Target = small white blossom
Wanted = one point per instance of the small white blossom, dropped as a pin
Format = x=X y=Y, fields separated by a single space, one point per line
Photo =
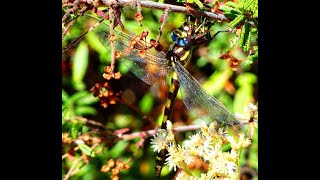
x=182 y=176
x=175 y=157
x=214 y=152
x=188 y=157
x=159 y=140
x=250 y=110
x=205 y=144
x=231 y=167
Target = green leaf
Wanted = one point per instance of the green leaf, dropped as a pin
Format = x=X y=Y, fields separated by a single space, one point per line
x=103 y=50
x=232 y=4
x=66 y=113
x=94 y=42
x=87 y=100
x=75 y=127
x=122 y=120
x=79 y=65
x=246 y=78
x=242 y=98
x=118 y=149
x=78 y=95
x=146 y=103
x=84 y=110
x=201 y=62
x=87 y=150
x=199 y=3
x=226 y=147
x=246 y=46
x=229 y=11
x=177 y=20
x=245 y=37
x=244 y=94
x=65 y=96
x=238 y=20
x=252 y=58
x=85 y=129
x=217 y=81
x=250 y=5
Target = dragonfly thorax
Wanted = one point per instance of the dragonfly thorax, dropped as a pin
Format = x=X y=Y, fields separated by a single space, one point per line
x=179 y=53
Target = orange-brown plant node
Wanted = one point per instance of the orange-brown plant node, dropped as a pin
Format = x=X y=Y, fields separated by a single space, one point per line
x=138 y=17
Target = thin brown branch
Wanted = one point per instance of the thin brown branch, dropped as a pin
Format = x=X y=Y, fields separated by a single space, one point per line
x=113 y=59
x=93 y=5
x=139 y=11
x=69 y=11
x=81 y=36
x=145 y=134
x=64 y=156
x=135 y=153
x=142 y=134
x=72 y=169
x=66 y=29
x=87 y=121
x=163 y=20
x=171 y=8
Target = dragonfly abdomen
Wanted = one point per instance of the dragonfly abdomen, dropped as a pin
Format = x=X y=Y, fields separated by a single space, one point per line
x=174 y=87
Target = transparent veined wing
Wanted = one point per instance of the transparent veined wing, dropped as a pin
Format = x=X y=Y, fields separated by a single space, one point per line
x=205 y=106
x=152 y=67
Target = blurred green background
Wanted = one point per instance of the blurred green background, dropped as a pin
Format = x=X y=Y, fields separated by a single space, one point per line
x=82 y=67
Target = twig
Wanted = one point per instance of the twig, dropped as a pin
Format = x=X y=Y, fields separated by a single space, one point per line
x=171 y=8
x=113 y=60
x=87 y=121
x=71 y=170
x=81 y=36
x=136 y=153
x=73 y=9
x=64 y=156
x=145 y=134
x=68 y=27
x=163 y=20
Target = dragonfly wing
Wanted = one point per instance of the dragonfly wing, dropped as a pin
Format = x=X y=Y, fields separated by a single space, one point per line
x=146 y=69
x=199 y=102
x=151 y=67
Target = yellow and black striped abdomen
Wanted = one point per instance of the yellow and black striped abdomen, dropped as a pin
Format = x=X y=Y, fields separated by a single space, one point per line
x=173 y=90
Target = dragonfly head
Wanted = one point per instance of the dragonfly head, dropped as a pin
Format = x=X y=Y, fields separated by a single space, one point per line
x=192 y=32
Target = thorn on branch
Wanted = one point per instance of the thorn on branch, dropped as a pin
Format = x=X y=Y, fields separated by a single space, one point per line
x=163 y=20
x=138 y=16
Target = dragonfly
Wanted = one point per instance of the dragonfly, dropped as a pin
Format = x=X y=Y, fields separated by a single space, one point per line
x=156 y=67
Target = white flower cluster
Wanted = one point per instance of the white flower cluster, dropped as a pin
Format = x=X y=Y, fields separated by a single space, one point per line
x=206 y=145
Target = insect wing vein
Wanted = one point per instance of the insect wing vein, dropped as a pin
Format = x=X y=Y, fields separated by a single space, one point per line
x=199 y=102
